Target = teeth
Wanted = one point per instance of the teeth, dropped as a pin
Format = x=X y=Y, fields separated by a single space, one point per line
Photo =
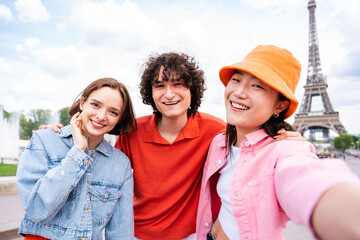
x=242 y=107
x=172 y=103
x=98 y=125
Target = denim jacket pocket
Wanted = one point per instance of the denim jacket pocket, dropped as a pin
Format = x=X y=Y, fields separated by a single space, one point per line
x=104 y=197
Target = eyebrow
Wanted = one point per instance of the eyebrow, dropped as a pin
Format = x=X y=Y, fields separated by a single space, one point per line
x=97 y=101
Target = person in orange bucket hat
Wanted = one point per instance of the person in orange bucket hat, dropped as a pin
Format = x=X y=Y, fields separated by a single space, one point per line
x=252 y=185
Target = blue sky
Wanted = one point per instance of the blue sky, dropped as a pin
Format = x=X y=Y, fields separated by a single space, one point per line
x=50 y=50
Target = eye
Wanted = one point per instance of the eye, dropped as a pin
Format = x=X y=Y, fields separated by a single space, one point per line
x=95 y=104
x=114 y=113
x=158 y=85
x=235 y=79
x=258 y=86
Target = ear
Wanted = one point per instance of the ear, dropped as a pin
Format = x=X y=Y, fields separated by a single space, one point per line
x=283 y=105
x=81 y=103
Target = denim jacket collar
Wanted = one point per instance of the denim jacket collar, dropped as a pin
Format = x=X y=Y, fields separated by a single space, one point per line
x=104 y=147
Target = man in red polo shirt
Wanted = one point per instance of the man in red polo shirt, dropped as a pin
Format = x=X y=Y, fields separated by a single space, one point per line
x=169 y=148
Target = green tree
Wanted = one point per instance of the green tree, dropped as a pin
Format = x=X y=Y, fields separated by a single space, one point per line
x=64 y=116
x=343 y=142
x=6 y=114
x=32 y=121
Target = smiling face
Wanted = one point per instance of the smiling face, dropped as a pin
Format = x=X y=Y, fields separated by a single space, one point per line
x=101 y=111
x=172 y=99
x=250 y=103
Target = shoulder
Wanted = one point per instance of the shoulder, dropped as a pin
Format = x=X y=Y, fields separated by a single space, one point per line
x=119 y=156
x=286 y=146
x=208 y=120
x=144 y=119
x=42 y=135
x=211 y=119
x=219 y=140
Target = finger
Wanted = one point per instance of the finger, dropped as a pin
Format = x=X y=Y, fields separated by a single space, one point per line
x=281 y=131
x=43 y=127
x=54 y=128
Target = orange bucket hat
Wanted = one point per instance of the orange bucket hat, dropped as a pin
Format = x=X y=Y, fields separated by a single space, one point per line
x=275 y=66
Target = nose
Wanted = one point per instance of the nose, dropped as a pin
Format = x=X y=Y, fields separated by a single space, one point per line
x=241 y=91
x=169 y=92
x=101 y=114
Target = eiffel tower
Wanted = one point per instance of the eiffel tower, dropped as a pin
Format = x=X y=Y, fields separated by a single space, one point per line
x=326 y=119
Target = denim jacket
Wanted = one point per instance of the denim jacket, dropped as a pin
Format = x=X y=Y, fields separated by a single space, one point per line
x=70 y=194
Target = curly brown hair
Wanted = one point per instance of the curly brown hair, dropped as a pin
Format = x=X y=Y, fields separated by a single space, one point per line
x=127 y=121
x=175 y=64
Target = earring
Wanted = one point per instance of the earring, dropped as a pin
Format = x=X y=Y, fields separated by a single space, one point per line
x=275 y=115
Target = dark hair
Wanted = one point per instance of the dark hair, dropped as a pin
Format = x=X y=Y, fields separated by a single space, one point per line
x=175 y=64
x=271 y=126
x=127 y=122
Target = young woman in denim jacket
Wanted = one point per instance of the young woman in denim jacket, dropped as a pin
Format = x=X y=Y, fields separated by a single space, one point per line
x=252 y=185
x=74 y=184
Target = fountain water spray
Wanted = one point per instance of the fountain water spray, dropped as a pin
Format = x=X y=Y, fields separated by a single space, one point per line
x=9 y=137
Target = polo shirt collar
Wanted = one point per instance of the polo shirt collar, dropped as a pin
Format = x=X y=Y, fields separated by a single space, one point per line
x=190 y=131
x=253 y=137
x=256 y=136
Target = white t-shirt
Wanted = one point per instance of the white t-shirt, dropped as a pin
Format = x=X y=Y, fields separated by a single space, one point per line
x=226 y=215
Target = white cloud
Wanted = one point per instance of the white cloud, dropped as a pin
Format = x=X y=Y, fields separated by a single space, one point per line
x=61 y=27
x=5 y=13
x=29 y=45
x=59 y=61
x=262 y=4
x=31 y=42
x=19 y=48
x=31 y=11
x=4 y=66
x=108 y=22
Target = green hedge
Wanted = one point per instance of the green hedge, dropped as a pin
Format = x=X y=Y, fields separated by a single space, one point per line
x=7 y=169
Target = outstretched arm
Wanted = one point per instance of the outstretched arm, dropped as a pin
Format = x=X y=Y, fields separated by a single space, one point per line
x=337 y=214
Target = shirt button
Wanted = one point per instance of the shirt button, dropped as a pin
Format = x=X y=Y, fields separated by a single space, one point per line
x=94 y=155
x=244 y=161
x=247 y=144
x=249 y=183
x=206 y=224
x=236 y=195
x=87 y=163
x=219 y=162
x=106 y=195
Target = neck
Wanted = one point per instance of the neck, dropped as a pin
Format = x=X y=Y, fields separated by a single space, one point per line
x=170 y=128
x=93 y=142
x=92 y=145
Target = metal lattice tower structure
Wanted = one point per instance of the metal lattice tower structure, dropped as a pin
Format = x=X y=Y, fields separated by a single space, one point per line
x=316 y=86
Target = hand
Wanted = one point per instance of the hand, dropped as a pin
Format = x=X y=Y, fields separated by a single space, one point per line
x=54 y=127
x=288 y=135
x=80 y=141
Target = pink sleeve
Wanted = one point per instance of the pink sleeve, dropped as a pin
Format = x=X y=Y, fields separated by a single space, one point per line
x=301 y=179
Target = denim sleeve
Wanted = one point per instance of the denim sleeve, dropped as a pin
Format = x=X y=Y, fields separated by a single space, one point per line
x=121 y=224
x=43 y=190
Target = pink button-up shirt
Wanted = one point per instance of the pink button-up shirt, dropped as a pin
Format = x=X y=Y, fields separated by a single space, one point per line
x=272 y=183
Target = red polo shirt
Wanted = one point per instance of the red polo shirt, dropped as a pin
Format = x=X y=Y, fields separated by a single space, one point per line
x=167 y=177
